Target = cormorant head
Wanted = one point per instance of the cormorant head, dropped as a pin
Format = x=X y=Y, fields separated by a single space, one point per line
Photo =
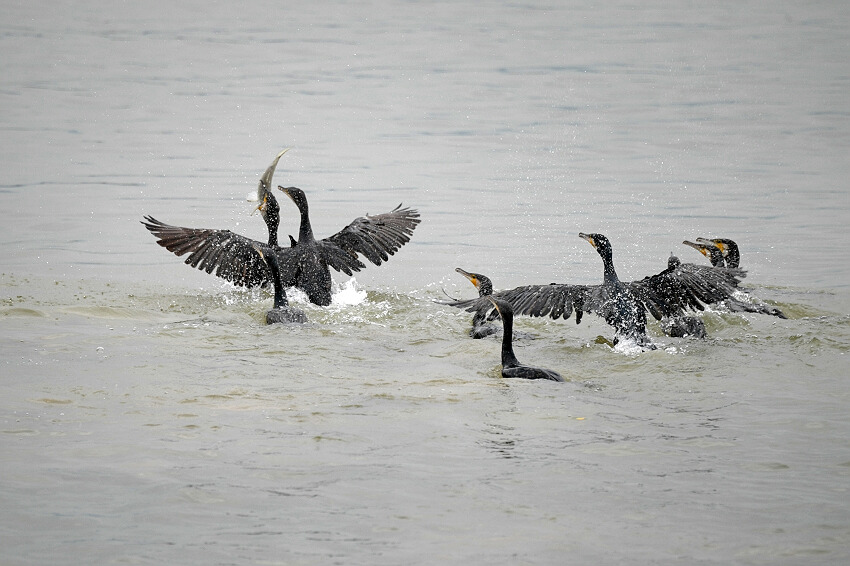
x=725 y=245
x=600 y=242
x=708 y=249
x=297 y=196
x=481 y=282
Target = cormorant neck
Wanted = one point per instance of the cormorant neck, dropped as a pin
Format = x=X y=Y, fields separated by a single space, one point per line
x=716 y=257
x=733 y=258
x=508 y=357
x=608 y=263
x=272 y=224
x=279 y=294
x=305 y=231
x=485 y=288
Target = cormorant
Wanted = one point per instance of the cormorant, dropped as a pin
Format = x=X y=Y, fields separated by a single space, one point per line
x=683 y=325
x=722 y=250
x=727 y=247
x=232 y=256
x=511 y=367
x=678 y=288
x=480 y=328
x=281 y=312
x=710 y=251
x=376 y=237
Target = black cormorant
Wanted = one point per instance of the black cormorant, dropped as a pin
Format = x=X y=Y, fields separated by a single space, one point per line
x=511 y=367
x=724 y=250
x=682 y=326
x=480 y=327
x=727 y=247
x=710 y=251
x=232 y=256
x=671 y=292
x=376 y=237
x=281 y=312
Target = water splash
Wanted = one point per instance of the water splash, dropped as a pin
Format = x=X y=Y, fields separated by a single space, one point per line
x=628 y=346
x=347 y=294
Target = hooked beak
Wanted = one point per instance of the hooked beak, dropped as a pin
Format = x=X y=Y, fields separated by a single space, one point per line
x=285 y=190
x=719 y=245
x=472 y=278
x=589 y=238
x=698 y=247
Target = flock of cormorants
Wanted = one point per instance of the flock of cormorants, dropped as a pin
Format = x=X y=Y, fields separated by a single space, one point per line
x=306 y=264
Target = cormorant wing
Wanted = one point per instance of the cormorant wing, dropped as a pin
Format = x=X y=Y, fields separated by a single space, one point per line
x=376 y=237
x=686 y=286
x=669 y=293
x=555 y=300
x=229 y=255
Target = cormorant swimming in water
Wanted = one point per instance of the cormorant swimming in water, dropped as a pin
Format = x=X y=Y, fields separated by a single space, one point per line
x=480 y=328
x=678 y=288
x=727 y=247
x=376 y=237
x=281 y=312
x=724 y=250
x=232 y=256
x=685 y=325
x=511 y=366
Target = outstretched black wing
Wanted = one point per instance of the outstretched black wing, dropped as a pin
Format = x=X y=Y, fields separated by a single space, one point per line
x=554 y=300
x=376 y=237
x=669 y=293
x=226 y=254
x=686 y=286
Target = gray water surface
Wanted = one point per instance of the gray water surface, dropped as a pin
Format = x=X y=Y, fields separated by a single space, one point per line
x=148 y=416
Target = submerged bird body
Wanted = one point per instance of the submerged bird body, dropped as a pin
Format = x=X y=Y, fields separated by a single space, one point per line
x=511 y=366
x=282 y=312
x=306 y=264
x=684 y=326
